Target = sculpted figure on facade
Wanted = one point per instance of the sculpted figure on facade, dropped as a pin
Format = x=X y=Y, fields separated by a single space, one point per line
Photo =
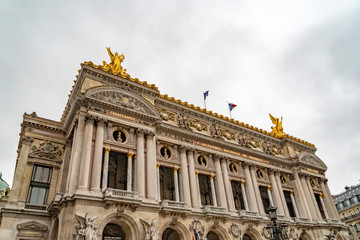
x=183 y=121
x=235 y=231
x=246 y=141
x=151 y=232
x=215 y=131
x=86 y=230
x=197 y=229
x=115 y=65
x=270 y=148
x=277 y=130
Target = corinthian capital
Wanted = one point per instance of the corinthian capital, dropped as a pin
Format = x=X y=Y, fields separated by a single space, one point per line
x=27 y=140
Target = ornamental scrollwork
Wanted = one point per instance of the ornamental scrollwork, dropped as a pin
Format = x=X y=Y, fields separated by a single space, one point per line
x=215 y=131
x=269 y=148
x=183 y=121
x=235 y=230
x=246 y=141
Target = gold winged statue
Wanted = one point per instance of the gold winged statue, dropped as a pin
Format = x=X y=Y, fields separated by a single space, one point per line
x=115 y=65
x=277 y=130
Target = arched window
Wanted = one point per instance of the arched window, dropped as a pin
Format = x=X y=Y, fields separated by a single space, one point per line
x=170 y=234
x=246 y=237
x=212 y=236
x=113 y=232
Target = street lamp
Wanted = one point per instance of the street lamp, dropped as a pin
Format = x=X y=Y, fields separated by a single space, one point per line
x=277 y=231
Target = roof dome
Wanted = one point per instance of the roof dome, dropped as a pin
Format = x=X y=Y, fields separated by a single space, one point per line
x=3 y=183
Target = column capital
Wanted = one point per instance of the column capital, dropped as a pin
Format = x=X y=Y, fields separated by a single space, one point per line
x=268 y=187
x=230 y=179
x=292 y=192
x=224 y=159
x=176 y=169
x=107 y=150
x=190 y=150
x=100 y=121
x=212 y=176
x=242 y=182
x=89 y=118
x=322 y=180
x=149 y=134
x=130 y=155
x=245 y=164
x=182 y=148
x=252 y=166
x=158 y=165
x=270 y=170
x=140 y=132
x=321 y=195
x=196 y=173
x=27 y=140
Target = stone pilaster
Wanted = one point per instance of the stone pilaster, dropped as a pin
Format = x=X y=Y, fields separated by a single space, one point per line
x=213 y=193
x=176 y=183
x=300 y=196
x=256 y=190
x=294 y=204
x=185 y=176
x=250 y=188
x=98 y=152
x=140 y=163
x=313 y=199
x=245 y=198
x=151 y=191
x=158 y=181
x=192 y=178
x=129 y=172
x=227 y=184
x=308 y=198
x=86 y=156
x=270 y=196
x=105 y=169
x=220 y=183
x=323 y=206
x=276 y=192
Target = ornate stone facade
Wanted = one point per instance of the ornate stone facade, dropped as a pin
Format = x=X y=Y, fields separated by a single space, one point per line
x=147 y=166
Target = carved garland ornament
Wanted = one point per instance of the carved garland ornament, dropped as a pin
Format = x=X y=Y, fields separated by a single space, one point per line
x=46 y=150
x=235 y=230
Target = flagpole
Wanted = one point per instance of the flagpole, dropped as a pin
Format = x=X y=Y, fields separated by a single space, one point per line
x=229 y=109
x=204 y=100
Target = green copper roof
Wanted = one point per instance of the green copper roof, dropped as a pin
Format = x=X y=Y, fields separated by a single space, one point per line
x=3 y=184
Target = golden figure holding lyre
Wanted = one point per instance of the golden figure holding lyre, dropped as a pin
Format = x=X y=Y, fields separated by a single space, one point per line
x=115 y=64
x=277 y=130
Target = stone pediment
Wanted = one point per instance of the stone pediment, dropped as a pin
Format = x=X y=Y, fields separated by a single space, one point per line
x=123 y=99
x=47 y=150
x=312 y=161
x=32 y=229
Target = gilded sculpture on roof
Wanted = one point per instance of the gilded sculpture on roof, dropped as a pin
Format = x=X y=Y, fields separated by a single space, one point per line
x=277 y=130
x=115 y=65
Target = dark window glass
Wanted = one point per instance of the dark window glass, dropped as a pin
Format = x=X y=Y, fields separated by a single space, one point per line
x=289 y=203
x=167 y=185
x=317 y=197
x=265 y=198
x=238 y=196
x=117 y=175
x=205 y=189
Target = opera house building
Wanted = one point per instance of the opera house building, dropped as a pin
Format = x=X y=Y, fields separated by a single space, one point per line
x=126 y=162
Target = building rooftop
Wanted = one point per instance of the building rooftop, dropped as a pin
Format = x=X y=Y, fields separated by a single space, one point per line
x=347 y=194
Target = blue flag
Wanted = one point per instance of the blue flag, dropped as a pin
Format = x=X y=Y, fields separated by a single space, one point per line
x=206 y=94
x=232 y=106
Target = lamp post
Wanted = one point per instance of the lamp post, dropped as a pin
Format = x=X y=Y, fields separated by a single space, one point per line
x=277 y=231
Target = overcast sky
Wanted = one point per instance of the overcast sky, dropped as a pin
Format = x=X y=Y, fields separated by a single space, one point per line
x=296 y=59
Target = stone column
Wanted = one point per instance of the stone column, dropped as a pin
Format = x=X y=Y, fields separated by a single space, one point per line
x=270 y=196
x=300 y=194
x=228 y=189
x=140 y=163
x=256 y=190
x=250 y=188
x=176 y=182
x=246 y=203
x=71 y=162
x=192 y=178
x=158 y=181
x=181 y=189
x=98 y=152
x=76 y=156
x=198 y=187
x=86 y=156
x=312 y=195
x=105 y=169
x=220 y=183
x=150 y=166
x=213 y=194
x=308 y=198
x=281 y=192
x=185 y=176
x=129 y=172
x=294 y=204
x=328 y=200
x=276 y=192
x=131 y=137
x=323 y=206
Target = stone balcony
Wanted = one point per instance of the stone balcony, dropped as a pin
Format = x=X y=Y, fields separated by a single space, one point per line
x=174 y=207
x=35 y=207
x=215 y=211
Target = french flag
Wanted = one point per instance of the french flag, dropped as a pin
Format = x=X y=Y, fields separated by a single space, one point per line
x=232 y=106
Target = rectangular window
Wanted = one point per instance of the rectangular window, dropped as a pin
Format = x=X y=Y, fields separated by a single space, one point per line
x=205 y=190
x=117 y=173
x=265 y=198
x=289 y=204
x=238 y=196
x=317 y=197
x=39 y=185
x=167 y=185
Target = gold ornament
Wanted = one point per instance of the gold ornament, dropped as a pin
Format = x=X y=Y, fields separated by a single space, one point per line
x=277 y=130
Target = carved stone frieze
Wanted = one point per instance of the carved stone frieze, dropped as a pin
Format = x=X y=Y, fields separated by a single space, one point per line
x=269 y=148
x=246 y=141
x=215 y=131
x=46 y=150
x=198 y=125
x=166 y=115
x=123 y=100
x=27 y=140
x=183 y=121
